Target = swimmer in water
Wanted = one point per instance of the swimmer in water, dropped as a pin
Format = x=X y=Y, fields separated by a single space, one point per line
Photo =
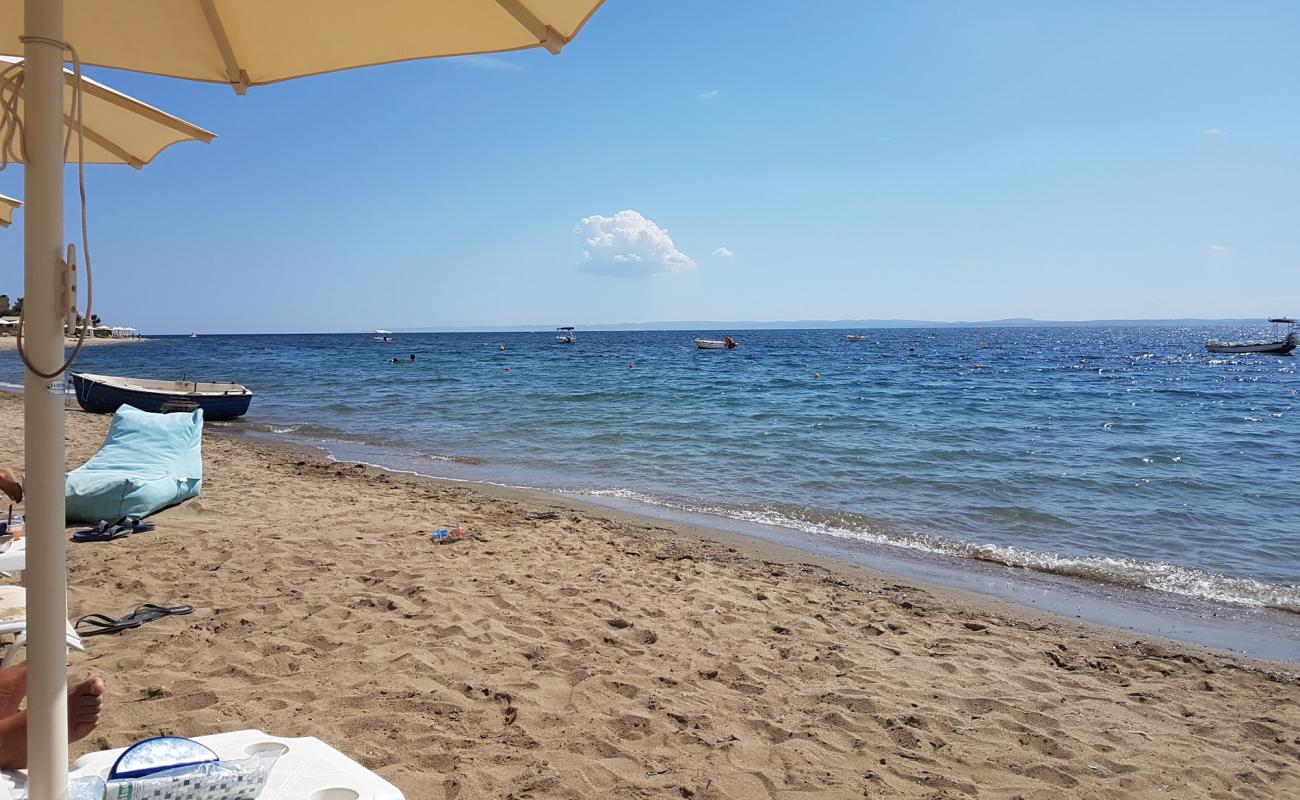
x=412 y=356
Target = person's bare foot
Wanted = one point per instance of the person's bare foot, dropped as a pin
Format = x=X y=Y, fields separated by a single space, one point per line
x=84 y=702
x=10 y=485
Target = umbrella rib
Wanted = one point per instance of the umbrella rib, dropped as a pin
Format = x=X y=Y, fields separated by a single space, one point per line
x=238 y=78
x=136 y=107
x=107 y=144
x=547 y=36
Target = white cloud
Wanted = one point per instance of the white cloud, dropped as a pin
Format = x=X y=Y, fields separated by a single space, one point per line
x=494 y=63
x=724 y=252
x=1214 y=131
x=711 y=94
x=628 y=245
x=1218 y=248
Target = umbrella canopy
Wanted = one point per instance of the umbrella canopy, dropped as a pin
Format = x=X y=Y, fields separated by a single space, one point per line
x=8 y=205
x=246 y=43
x=118 y=129
x=239 y=42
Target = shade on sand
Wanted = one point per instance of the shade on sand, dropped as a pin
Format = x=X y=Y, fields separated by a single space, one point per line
x=118 y=128
x=238 y=42
x=8 y=205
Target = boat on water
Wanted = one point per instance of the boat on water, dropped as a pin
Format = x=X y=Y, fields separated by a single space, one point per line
x=566 y=335
x=856 y=337
x=1278 y=346
x=383 y=336
x=726 y=343
x=104 y=394
x=194 y=336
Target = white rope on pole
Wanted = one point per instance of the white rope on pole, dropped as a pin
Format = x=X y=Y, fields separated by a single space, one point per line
x=11 y=131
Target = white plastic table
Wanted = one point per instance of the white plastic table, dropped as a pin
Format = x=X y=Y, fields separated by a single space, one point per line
x=308 y=770
x=14 y=557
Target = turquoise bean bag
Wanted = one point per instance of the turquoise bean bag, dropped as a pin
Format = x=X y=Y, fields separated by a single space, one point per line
x=148 y=462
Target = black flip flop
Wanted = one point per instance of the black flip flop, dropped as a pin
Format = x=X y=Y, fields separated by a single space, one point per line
x=133 y=525
x=97 y=624
x=103 y=532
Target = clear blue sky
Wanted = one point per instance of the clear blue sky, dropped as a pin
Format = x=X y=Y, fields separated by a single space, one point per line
x=934 y=160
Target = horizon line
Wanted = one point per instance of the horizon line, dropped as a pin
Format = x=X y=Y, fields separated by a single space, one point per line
x=806 y=324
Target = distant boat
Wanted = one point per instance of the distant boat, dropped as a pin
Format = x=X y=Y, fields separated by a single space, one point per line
x=1278 y=347
x=566 y=335
x=104 y=394
x=727 y=343
x=383 y=336
x=856 y=337
x=194 y=336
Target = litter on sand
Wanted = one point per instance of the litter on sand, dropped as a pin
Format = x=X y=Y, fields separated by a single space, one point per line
x=443 y=535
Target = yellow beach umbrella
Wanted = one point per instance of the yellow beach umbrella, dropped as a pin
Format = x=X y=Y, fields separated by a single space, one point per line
x=242 y=43
x=8 y=205
x=117 y=128
x=252 y=42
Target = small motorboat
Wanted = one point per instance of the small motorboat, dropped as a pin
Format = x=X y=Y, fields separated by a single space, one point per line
x=1277 y=347
x=856 y=337
x=383 y=336
x=566 y=335
x=103 y=394
x=716 y=344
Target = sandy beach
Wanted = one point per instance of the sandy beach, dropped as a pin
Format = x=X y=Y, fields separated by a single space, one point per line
x=11 y=342
x=569 y=652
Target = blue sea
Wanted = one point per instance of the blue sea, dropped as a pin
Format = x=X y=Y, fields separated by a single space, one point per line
x=1122 y=455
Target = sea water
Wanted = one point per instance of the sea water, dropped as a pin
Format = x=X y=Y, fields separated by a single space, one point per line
x=1122 y=455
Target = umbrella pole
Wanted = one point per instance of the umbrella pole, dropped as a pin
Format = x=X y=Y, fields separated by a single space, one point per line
x=47 y=600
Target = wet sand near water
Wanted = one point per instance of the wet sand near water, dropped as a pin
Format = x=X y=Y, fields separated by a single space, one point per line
x=564 y=651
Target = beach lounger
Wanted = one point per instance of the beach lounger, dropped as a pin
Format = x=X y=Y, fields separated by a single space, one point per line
x=13 y=622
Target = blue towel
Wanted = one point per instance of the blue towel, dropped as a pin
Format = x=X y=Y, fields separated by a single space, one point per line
x=148 y=462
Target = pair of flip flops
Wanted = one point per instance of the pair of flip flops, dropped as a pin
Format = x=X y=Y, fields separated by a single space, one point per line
x=96 y=624
x=106 y=532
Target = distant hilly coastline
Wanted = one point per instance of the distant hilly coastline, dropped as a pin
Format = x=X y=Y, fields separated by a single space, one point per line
x=835 y=324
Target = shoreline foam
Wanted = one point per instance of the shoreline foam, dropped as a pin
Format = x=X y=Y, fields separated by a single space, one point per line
x=1128 y=573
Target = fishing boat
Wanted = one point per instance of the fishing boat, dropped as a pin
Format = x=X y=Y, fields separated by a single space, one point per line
x=856 y=337
x=566 y=335
x=727 y=343
x=383 y=336
x=103 y=394
x=1278 y=347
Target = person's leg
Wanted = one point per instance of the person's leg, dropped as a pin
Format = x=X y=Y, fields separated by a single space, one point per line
x=13 y=688
x=10 y=485
x=84 y=701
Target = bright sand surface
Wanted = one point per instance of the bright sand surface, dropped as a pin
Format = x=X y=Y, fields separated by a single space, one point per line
x=571 y=652
x=11 y=342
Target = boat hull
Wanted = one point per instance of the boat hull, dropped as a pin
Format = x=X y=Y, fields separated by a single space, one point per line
x=716 y=344
x=100 y=397
x=1275 y=348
